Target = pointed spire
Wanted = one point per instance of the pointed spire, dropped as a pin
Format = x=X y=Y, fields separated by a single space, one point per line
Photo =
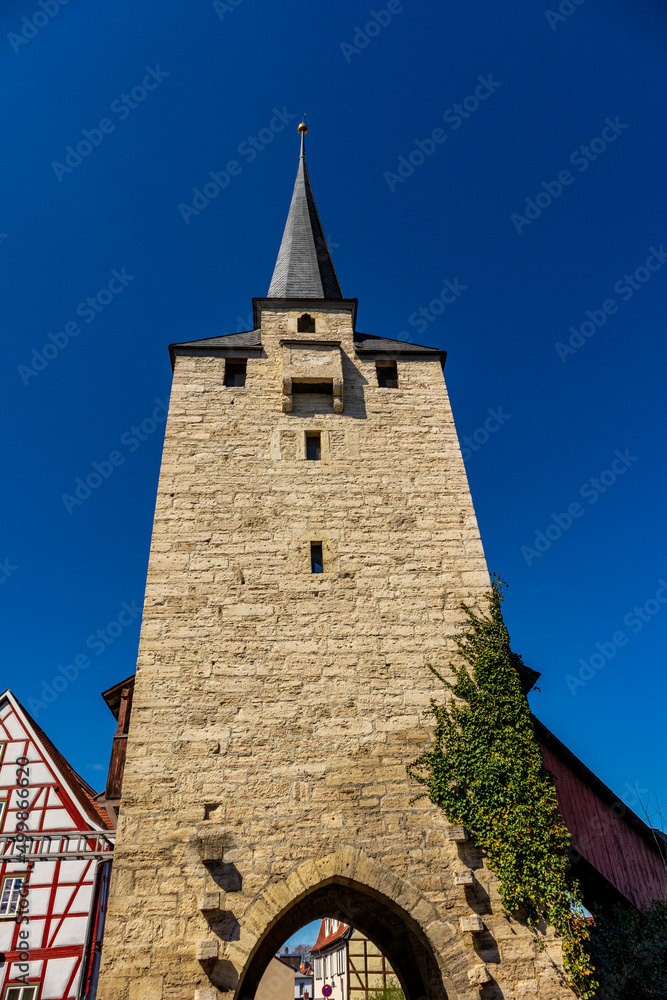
x=304 y=269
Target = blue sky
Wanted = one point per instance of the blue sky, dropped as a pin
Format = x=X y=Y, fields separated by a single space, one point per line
x=540 y=199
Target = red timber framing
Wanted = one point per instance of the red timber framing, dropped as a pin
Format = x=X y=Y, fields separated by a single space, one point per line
x=615 y=856
x=57 y=839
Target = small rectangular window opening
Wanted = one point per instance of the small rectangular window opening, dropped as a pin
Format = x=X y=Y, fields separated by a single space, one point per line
x=313 y=447
x=316 y=558
x=235 y=371
x=387 y=374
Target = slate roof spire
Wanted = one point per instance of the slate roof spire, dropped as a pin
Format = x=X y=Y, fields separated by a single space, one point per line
x=304 y=269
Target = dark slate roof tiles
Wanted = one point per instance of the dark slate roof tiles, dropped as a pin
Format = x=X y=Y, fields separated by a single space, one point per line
x=304 y=269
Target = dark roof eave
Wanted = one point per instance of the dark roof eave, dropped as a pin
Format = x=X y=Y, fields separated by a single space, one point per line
x=113 y=694
x=245 y=344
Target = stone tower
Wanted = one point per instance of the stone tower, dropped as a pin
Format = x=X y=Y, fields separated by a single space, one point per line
x=314 y=534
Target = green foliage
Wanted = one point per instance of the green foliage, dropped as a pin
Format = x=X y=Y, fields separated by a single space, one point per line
x=392 y=991
x=629 y=951
x=485 y=770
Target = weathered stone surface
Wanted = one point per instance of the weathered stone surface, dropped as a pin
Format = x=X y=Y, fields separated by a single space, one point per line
x=207 y=950
x=458 y=834
x=282 y=706
x=472 y=924
x=479 y=975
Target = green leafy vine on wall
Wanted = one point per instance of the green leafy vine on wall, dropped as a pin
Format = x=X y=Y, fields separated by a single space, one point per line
x=485 y=770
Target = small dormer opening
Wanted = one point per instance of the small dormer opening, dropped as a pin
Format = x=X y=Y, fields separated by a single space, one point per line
x=305 y=324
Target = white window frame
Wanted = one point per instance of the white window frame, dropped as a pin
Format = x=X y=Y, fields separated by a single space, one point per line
x=11 y=913
x=318 y=968
x=30 y=992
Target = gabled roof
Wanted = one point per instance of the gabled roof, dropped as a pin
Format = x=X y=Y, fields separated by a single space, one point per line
x=325 y=940
x=81 y=791
x=304 y=268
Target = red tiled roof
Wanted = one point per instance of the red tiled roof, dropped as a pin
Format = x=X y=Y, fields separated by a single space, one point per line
x=82 y=791
x=326 y=940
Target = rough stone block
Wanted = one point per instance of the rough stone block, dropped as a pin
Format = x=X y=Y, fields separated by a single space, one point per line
x=479 y=975
x=210 y=902
x=474 y=924
x=458 y=834
x=207 y=950
x=464 y=876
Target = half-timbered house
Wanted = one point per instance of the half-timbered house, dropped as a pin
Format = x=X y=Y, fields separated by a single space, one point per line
x=56 y=845
x=349 y=963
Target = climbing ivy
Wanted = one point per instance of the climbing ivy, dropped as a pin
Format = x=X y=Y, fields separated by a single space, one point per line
x=485 y=770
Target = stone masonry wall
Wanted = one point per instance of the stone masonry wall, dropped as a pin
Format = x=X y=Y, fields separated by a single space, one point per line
x=278 y=708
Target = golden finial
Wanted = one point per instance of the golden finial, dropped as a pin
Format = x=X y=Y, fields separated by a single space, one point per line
x=303 y=128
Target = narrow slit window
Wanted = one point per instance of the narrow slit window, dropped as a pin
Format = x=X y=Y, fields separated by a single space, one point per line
x=316 y=558
x=387 y=374
x=235 y=371
x=314 y=447
x=305 y=324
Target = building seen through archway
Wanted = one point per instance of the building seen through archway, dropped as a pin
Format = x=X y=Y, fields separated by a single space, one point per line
x=342 y=964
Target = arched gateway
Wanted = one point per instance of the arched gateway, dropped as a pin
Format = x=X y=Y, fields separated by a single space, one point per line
x=314 y=535
x=358 y=892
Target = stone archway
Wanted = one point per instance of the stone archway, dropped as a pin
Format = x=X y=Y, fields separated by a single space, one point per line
x=349 y=887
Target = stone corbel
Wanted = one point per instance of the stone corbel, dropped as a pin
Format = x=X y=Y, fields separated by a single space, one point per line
x=288 y=402
x=338 y=395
